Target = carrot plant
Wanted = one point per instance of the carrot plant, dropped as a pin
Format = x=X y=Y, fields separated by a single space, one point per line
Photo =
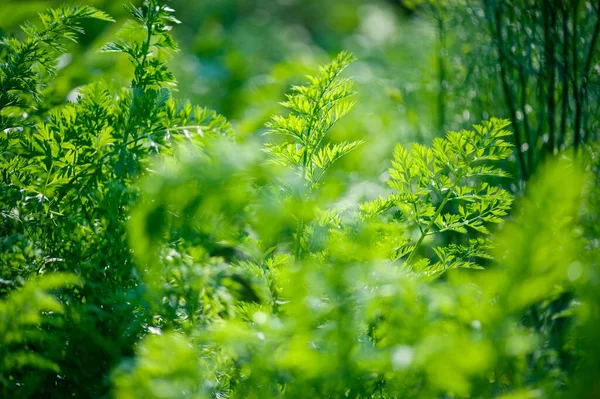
x=149 y=252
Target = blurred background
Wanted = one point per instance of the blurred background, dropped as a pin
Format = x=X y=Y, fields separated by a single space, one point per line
x=424 y=66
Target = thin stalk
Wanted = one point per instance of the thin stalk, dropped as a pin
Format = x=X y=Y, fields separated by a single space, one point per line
x=139 y=70
x=496 y=32
x=529 y=140
x=146 y=46
x=549 y=38
x=307 y=165
x=586 y=72
x=522 y=69
x=438 y=211
x=441 y=72
x=564 y=78
x=48 y=179
x=576 y=91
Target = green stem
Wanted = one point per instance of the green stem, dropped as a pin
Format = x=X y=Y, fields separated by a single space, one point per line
x=138 y=81
x=466 y=222
x=48 y=179
x=504 y=62
x=146 y=47
x=297 y=241
x=432 y=221
x=441 y=73
x=300 y=224
x=585 y=77
x=306 y=158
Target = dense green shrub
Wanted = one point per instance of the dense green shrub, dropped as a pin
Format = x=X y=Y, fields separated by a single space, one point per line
x=149 y=252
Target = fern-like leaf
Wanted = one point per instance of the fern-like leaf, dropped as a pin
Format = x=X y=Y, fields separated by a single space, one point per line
x=440 y=190
x=314 y=109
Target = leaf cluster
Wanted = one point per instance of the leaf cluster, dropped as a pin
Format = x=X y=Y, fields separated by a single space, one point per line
x=314 y=110
x=442 y=189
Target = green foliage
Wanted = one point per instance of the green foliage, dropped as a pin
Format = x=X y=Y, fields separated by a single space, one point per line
x=148 y=251
x=160 y=373
x=440 y=189
x=345 y=323
x=20 y=79
x=156 y=19
x=67 y=188
x=27 y=318
x=314 y=110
